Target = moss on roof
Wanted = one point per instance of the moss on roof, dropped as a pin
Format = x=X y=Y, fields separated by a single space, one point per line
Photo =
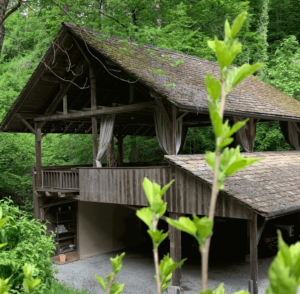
x=186 y=81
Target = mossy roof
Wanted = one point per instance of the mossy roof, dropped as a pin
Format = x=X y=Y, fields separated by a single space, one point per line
x=251 y=98
x=270 y=187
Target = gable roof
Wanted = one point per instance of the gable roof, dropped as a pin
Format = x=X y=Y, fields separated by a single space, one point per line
x=270 y=187
x=252 y=97
x=113 y=56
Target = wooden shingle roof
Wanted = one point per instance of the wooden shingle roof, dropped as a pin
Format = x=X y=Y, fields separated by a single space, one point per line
x=252 y=98
x=270 y=187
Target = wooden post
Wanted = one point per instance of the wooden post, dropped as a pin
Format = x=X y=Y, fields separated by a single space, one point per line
x=253 y=253
x=38 y=156
x=35 y=196
x=120 y=145
x=94 y=107
x=175 y=249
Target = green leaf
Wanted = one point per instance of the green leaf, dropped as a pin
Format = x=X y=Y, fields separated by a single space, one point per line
x=213 y=87
x=4 y=286
x=220 y=289
x=244 y=71
x=210 y=159
x=3 y=221
x=284 y=251
x=227 y=29
x=157 y=237
x=207 y=291
x=204 y=227
x=225 y=53
x=148 y=188
x=116 y=288
x=238 y=23
x=116 y=263
x=28 y=270
x=215 y=119
x=145 y=214
x=281 y=282
x=184 y=224
x=2 y=245
x=165 y=188
x=101 y=282
x=166 y=267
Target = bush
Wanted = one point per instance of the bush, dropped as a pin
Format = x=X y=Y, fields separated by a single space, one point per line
x=27 y=242
x=58 y=288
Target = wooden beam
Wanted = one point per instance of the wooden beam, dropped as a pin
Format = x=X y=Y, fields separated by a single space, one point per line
x=182 y=116
x=82 y=50
x=26 y=123
x=260 y=228
x=58 y=203
x=38 y=156
x=253 y=254
x=67 y=127
x=113 y=110
x=51 y=79
x=120 y=145
x=64 y=90
x=162 y=108
x=175 y=249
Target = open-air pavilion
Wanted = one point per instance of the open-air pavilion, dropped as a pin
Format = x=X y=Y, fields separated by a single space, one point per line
x=88 y=83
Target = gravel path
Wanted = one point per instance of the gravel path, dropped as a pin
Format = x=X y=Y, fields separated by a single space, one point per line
x=138 y=271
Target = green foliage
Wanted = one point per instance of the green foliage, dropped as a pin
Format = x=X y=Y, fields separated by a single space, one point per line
x=230 y=160
x=199 y=228
x=150 y=216
x=27 y=242
x=221 y=290
x=284 y=272
x=29 y=283
x=110 y=287
x=166 y=267
x=4 y=286
x=59 y=288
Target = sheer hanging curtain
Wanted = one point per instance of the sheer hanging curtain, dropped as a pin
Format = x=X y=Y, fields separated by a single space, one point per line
x=162 y=132
x=106 y=133
x=246 y=135
x=291 y=132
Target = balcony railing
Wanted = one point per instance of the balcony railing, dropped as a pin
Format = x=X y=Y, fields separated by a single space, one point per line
x=61 y=179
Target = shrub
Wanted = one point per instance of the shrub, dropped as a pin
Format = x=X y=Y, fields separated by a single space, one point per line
x=27 y=242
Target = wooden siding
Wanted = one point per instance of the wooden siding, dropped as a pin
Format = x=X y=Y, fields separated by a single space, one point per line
x=187 y=195
x=191 y=195
x=119 y=185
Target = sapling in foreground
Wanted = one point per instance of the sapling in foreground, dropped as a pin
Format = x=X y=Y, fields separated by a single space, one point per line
x=224 y=161
x=112 y=287
x=150 y=216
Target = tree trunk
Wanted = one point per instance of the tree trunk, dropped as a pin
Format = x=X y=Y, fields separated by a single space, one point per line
x=263 y=32
x=3 y=7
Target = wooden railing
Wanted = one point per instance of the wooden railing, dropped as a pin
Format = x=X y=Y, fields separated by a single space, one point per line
x=60 y=179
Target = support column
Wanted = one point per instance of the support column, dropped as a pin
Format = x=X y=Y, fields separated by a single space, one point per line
x=253 y=287
x=38 y=156
x=175 y=249
x=37 y=178
x=120 y=145
x=94 y=107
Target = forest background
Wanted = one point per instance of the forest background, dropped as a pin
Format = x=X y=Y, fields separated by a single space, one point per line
x=270 y=35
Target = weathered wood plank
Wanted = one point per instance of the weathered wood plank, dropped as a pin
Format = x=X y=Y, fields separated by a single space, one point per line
x=112 y=110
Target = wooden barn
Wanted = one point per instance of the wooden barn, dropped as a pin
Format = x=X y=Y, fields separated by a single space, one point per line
x=89 y=82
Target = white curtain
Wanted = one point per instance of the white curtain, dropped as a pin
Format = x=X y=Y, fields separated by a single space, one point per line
x=293 y=135
x=106 y=133
x=247 y=142
x=162 y=132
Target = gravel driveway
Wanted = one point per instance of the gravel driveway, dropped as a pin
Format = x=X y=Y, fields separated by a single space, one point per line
x=138 y=271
